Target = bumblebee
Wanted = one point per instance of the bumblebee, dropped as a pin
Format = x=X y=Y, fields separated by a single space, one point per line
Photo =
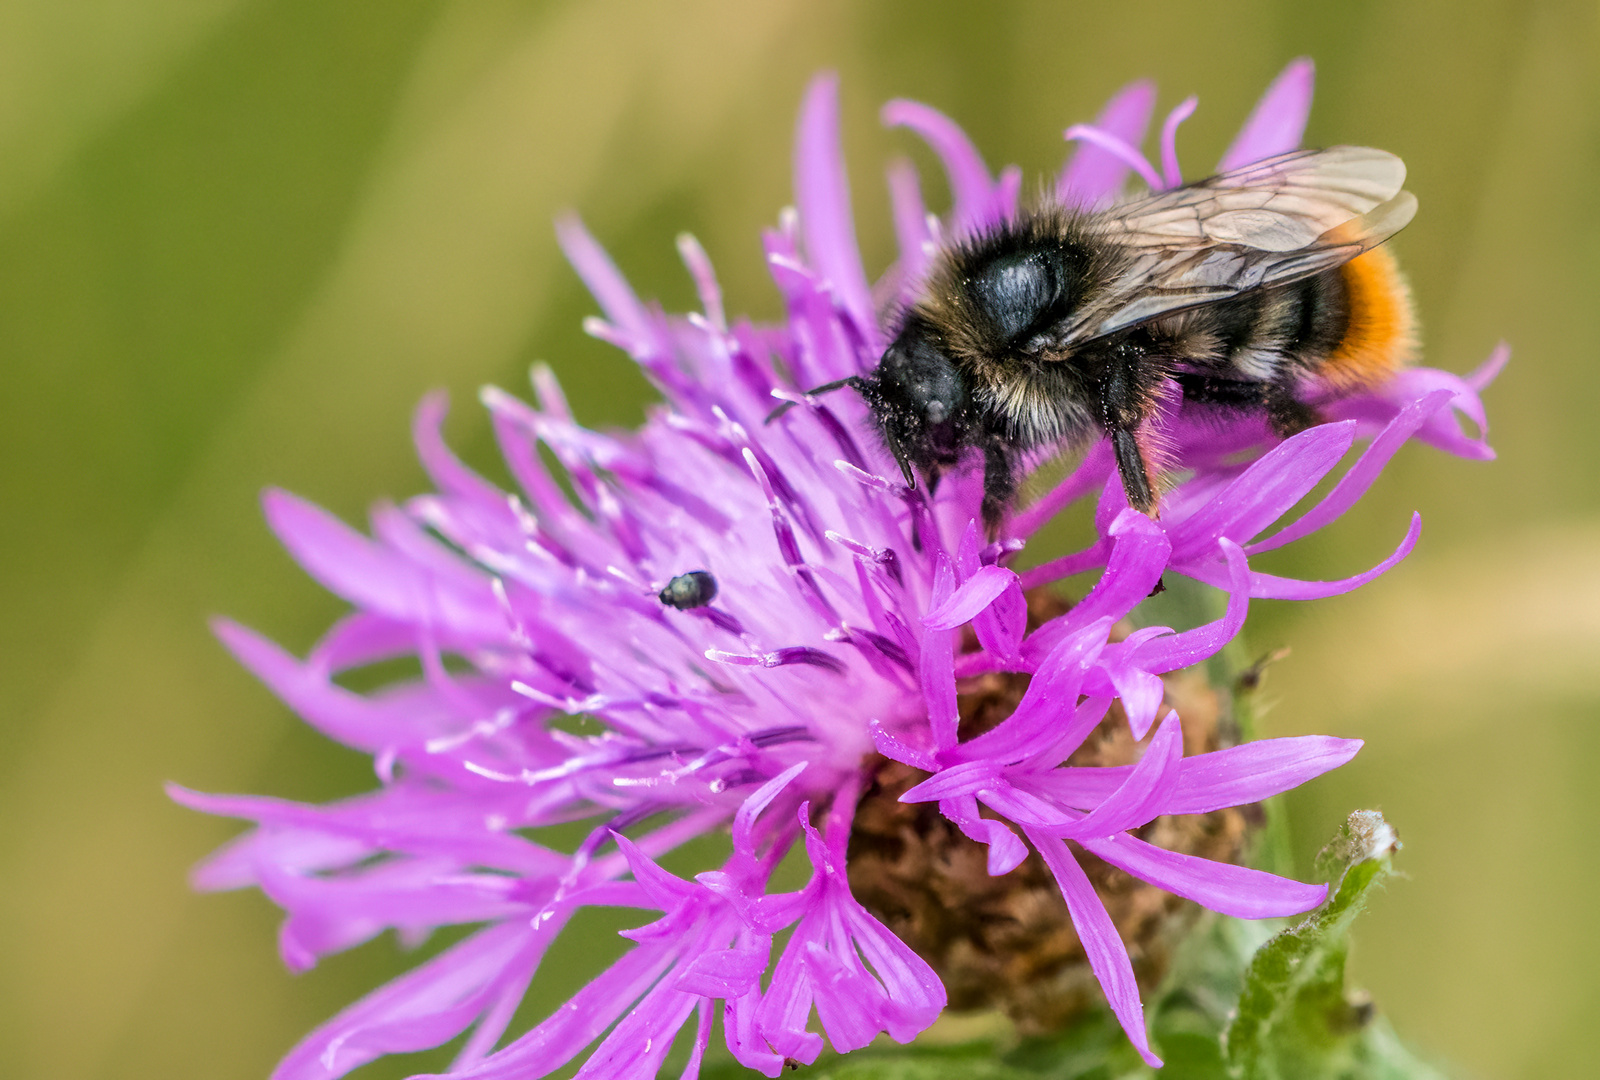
x=1261 y=290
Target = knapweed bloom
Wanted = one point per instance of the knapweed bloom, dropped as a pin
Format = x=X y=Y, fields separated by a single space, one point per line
x=832 y=678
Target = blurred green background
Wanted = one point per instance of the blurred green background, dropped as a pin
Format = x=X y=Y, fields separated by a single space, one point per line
x=240 y=238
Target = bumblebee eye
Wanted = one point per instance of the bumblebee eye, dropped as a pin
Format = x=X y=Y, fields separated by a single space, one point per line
x=1017 y=291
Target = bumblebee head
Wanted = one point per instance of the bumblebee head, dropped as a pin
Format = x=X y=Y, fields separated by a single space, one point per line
x=920 y=400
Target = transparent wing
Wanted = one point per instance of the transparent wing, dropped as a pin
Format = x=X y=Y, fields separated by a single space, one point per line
x=1270 y=223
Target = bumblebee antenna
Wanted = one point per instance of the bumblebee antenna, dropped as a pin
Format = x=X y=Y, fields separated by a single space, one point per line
x=813 y=392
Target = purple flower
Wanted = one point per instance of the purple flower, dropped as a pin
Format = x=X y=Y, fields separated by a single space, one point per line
x=835 y=634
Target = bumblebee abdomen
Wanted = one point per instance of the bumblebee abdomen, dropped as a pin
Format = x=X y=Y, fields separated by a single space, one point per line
x=1379 y=335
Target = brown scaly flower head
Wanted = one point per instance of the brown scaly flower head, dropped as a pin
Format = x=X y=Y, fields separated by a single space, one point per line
x=1007 y=942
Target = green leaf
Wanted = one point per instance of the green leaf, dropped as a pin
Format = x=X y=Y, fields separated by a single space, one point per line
x=1295 y=1018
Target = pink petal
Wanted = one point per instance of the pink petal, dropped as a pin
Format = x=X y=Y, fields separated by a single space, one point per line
x=971 y=186
x=339 y=713
x=702 y=1039
x=1141 y=694
x=1232 y=890
x=366 y=574
x=1052 y=694
x=1000 y=626
x=1271 y=587
x=444 y=468
x=822 y=193
x=1169 y=141
x=1140 y=552
x=1006 y=849
x=1355 y=482
x=1118 y=148
x=957 y=780
x=430 y=990
x=1175 y=651
x=609 y=288
x=1093 y=176
x=1279 y=118
x=1146 y=790
x=581 y=1019
x=1246 y=774
x=1265 y=491
x=938 y=666
x=1237 y=776
x=1108 y=957
x=976 y=594
x=910 y=223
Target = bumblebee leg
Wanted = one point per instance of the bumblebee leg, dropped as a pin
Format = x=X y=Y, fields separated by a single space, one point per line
x=999 y=484
x=1125 y=401
x=1135 y=472
x=1287 y=414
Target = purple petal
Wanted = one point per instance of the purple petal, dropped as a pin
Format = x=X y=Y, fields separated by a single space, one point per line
x=1169 y=653
x=417 y=821
x=898 y=750
x=725 y=973
x=1271 y=587
x=745 y=1043
x=1485 y=373
x=665 y=891
x=1141 y=694
x=822 y=193
x=1265 y=491
x=606 y=283
x=758 y=800
x=1444 y=430
x=1108 y=957
x=431 y=990
x=1116 y=147
x=702 y=1039
x=582 y=1019
x=359 y=639
x=1006 y=191
x=237 y=864
x=910 y=223
x=444 y=468
x=938 y=667
x=1000 y=626
x=1140 y=554
x=1279 y=118
x=915 y=996
x=353 y=567
x=1146 y=790
x=786 y=1006
x=1006 y=849
x=1169 y=141
x=1231 y=890
x=1055 y=747
x=1093 y=176
x=698 y=263
x=971 y=186
x=976 y=594
x=1246 y=774
x=635 y=1049
x=339 y=713
x=955 y=781
x=1354 y=483
x=1051 y=695
x=1237 y=776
